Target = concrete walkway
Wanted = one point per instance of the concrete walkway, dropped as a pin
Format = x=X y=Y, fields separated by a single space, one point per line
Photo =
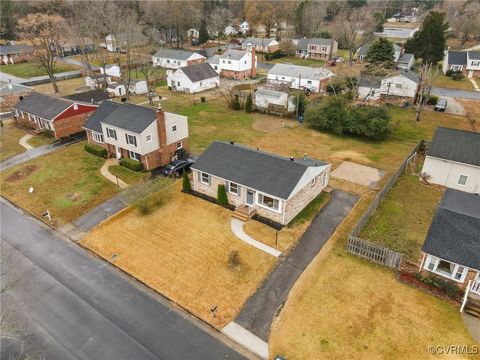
x=108 y=175
x=246 y=339
x=474 y=83
x=257 y=315
x=472 y=324
x=24 y=142
x=237 y=229
x=28 y=155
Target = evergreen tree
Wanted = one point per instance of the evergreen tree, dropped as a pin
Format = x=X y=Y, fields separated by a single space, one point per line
x=428 y=42
x=236 y=103
x=203 y=33
x=186 y=183
x=380 y=57
x=249 y=104
x=222 y=195
x=379 y=19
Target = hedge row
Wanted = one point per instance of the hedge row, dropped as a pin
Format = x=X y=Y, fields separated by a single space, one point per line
x=96 y=150
x=131 y=164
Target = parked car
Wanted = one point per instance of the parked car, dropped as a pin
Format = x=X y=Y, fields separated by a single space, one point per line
x=441 y=105
x=332 y=63
x=177 y=167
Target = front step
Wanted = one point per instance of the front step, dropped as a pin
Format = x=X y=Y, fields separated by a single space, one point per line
x=472 y=307
x=240 y=216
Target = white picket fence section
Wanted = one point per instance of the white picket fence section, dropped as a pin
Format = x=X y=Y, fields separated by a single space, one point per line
x=373 y=252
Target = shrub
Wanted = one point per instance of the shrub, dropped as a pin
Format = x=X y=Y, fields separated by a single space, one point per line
x=131 y=164
x=234 y=259
x=96 y=150
x=222 y=195
x=432 y=100
x=449 y=72
x=236 y=103
x=457 y=76
x=335 y=87
x=146 y=205
x=249 y=104
x=186 y=183
x=203 y=99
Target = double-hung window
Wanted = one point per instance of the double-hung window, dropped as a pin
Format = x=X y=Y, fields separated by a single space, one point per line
x=205 y=178
x=112 y=134
x=268 y=202
x=134 y=156
x=462 y=180
x=174 y=128
x=233 y=188
x=98 y=137
x=131 y=139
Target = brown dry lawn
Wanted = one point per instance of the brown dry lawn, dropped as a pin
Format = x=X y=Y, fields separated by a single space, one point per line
x=66 y=87
x=472 y=108
x=344 y=307
x=181 y=250
x=9 y=137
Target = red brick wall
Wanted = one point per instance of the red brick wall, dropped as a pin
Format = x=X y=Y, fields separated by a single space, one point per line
x=197 y=61
x=69 y=126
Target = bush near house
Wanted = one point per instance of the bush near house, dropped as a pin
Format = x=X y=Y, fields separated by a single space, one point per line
x=432 y=100
x=131 y=164
x=249 y=104
x=187 y=187
x=96 y=150
x=275 y=55
x=457 y=76
x=222 y=195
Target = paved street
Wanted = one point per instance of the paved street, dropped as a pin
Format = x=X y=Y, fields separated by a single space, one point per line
x=257 y=314
x=455 y=93
x=80 y=308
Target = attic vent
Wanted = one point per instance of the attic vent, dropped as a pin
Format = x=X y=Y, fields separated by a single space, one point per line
x=75 y=107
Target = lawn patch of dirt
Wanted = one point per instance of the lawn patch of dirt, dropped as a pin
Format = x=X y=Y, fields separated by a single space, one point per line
x=22 y=173
x=270 y=124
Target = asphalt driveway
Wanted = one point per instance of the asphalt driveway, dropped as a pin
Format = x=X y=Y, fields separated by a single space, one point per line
x=455 y=93
x=257 y=314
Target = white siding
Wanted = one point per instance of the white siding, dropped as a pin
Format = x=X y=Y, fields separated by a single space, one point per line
x=180 y=82
x=295 y=84
x=181 y=123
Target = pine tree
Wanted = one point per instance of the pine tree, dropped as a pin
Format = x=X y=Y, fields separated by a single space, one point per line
x=186 y=183
x=428 y=43
x=236 y=103
x=380 y=59
x=222 y=195
x=249 y=104
x=203 y=33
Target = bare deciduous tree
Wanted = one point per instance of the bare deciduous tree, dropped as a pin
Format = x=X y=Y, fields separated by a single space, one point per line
x=218 y=20
x=427 y=74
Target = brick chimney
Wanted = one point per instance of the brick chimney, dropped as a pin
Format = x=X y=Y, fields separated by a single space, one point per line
x=162 y=128
x=254 y=67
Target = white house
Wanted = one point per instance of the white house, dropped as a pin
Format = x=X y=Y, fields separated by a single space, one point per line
x=244 y=27
x=404 y=83
x=453 y=160
x=94 y=81
x=273 y=101
x=112 y=70
x=261 y=44
x=192 y=33
x=174 y=59
x=238 y=64
x=214 y=62
x=313 y=78
x=137 y=87
x=193 y=78
x=467 y=62
x=116 y=42
x=230 y=30
x=116 y=88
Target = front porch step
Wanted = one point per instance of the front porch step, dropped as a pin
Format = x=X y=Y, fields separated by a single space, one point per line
x=240 y=216
x=472 y=306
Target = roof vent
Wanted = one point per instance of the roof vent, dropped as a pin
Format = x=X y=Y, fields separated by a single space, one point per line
x=232 y=143
x=21 y=98
x=305 y=156
x=291 y=158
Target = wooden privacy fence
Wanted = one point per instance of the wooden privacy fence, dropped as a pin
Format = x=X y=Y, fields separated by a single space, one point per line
x=373 y=252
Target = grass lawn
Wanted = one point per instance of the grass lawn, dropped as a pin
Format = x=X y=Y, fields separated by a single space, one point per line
x=67 y=182
x=402 y=220
x=40 y=140
x=30 y=69
x=448 y=82
x=182 y=251
x=65 y=87
x=297 y=61
x=127 y=175
x=9 y=137
x=472 y=108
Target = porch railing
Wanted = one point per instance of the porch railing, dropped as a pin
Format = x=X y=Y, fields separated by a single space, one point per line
x=475 y=287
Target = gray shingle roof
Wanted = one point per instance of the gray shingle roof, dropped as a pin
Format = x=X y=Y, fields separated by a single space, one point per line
x=215 y=60
x=199 y=72
x=173 y=54
x=233 y=54
x=455 y=228
x=371 y=82
x=409 y=74
x=474 y=55
x=456 y=145
x=363 y=50
x=405 y=58
x=457 y=58
x=13 y=88
x=307 y=72
x=269 y=92
x=97 y=95
x=94 y=121
x=130 y=117
x=258 y=41
x=15 y=49
x=261 y=171
x=45 y=106
x=302 y=44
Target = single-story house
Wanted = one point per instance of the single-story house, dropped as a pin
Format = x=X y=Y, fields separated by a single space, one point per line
x=96 y=80
x=152 y=137
x=96 y=96
x=266 y=45
x=61 y=116
x=192 y=33
x=137 y=87
x=272 y=186
x=452 y=246
x=230 y=30
x=117 y=89
x=112 y=70
x=406 y=61
x=273 y=101
x=314 y=78
x=453 y=160
x=174 y=59
x=467 y=62
x=315 y=48
x=12 y=54
x=10 y=93
x=193 y=78
x=402 y=84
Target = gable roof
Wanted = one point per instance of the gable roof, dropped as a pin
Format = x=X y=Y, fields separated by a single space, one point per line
x=90 y=97
x=453 y=233
x=405 y=58
x=44 y=106
x=306 y=72
x=363 y=50
x=15 y=49
x=268 y=173
x=215 y=60
x=455 y=145
x=130 y=117
x=11 y=88
x=457 y=58
x=199 y=72
x=94 y=121
x=473 y=55
x=302 y=44
x=409 y=74
x=173 y=54
x=233 y=54
x=258 y=41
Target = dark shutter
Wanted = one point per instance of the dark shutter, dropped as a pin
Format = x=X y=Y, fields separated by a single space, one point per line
x=135 y=140
x=126 y=138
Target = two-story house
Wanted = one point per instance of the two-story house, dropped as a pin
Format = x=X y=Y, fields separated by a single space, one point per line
x=152 y=137
x=174 y=59
x=467 y=62
x=238 y=64
x=265 y=45
x=315 y=48
x=193 y=78
x=453 y=160
x=60 y=116
x=313 y=78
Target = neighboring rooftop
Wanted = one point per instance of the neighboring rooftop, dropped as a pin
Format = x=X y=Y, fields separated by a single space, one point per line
x=405 y=58
x=409 y=74
x=15 y=49
x=11 y=88
x=271 y=93
x=363 y=50
x=456 y=145
x=269 y=173
x=44 y=106
x=460 y=57
x=296 y=70
x=91 y=97
x=233 y=54
x=455 y=228
x=94 y=121
x=215 y=60
x=302 y=44
x=199 y=72
x=173 y=54
x=258 y=41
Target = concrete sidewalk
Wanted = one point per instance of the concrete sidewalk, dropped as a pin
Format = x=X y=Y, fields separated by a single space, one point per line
x=28 y=155
x=24 y=141
x=257 y=315
x=108 y=175
x=237 y=229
